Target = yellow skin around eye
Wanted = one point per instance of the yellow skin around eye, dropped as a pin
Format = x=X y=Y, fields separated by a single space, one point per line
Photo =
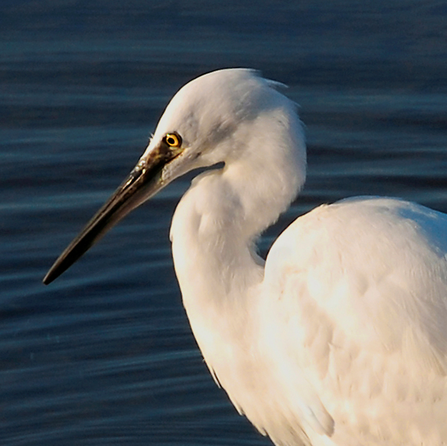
x=172 y=140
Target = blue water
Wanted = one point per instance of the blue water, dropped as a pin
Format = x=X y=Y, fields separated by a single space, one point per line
x=104 y=355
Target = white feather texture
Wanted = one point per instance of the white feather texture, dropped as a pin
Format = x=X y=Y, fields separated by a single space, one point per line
x=341 y=337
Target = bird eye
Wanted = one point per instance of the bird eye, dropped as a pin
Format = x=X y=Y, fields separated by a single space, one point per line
x=173 y=140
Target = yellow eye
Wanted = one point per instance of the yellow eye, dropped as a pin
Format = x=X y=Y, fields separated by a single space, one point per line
x=173 y=140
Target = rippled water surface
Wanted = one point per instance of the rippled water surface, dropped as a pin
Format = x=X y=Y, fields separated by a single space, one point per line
x=104 y=355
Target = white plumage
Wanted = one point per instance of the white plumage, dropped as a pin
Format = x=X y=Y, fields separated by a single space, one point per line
x=340 y=338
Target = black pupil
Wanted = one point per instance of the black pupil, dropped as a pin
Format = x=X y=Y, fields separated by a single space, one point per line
x=171 y=140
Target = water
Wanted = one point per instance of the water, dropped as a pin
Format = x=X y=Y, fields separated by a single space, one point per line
x=104 y=356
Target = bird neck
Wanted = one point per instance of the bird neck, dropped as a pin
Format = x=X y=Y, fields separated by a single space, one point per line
x=218 y=220
x=213 y=236
x=216 y=224
x=214 y=252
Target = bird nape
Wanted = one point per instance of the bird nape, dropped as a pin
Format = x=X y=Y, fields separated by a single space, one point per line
x=340 y=337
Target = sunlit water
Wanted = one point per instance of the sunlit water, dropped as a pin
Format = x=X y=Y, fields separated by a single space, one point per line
x=104 y=356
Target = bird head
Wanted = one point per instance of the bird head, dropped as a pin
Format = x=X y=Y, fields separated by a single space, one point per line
x=213 y=119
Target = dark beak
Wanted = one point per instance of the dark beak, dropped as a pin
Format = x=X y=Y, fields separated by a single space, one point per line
x=144 y=181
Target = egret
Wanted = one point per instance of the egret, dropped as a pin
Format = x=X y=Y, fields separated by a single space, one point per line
x=340 y=336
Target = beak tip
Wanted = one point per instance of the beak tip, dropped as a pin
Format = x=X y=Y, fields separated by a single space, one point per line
x=49 y=277
x=65 y=260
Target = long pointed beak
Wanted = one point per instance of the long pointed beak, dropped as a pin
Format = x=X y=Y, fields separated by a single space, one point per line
x=144 y=181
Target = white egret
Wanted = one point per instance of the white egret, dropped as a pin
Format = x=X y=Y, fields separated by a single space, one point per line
x=340 y=337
